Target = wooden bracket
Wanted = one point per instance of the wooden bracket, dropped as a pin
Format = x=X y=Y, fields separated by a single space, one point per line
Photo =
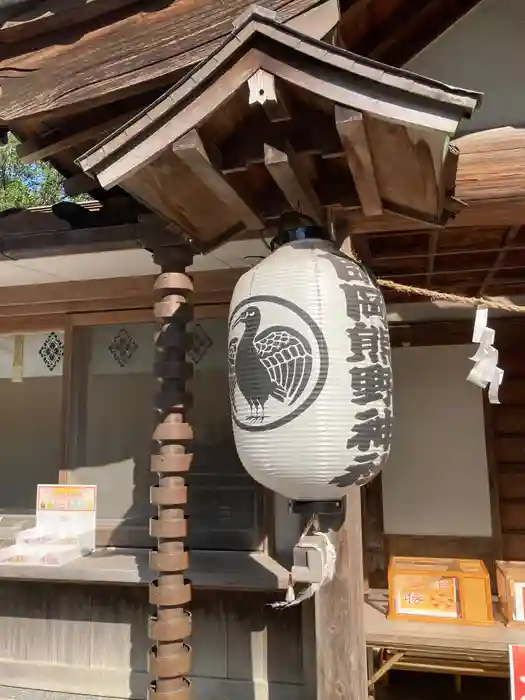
x=191 y=151
x=352 y=132
x=283 y=166
x=80 y=183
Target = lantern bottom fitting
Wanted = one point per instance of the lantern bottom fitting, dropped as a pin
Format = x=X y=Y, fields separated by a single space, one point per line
x=310 y=508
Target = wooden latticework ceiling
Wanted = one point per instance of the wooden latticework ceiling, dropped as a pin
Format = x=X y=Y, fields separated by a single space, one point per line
x=473 y=261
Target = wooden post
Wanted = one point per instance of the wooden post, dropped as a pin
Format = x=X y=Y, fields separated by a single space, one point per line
x=170 y=625
x=339 y=610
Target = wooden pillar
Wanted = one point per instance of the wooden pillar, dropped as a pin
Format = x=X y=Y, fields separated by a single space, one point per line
x=341 y=658
x=170 y=624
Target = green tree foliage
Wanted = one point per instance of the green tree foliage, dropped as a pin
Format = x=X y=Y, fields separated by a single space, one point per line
x=23 y=186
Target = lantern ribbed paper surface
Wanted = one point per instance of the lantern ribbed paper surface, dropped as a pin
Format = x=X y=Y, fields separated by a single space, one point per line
x=310 y=372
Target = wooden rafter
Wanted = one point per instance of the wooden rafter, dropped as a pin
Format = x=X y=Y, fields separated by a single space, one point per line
x=459 y=271
x=286 y=171
x=351 y=127
x=432 y=249
x=191 y=151
x=49 y=145
x=396 y=41
x=509 y=237
x=443 y=253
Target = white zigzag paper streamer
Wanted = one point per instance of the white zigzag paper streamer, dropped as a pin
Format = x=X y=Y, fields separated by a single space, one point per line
x=485 y=372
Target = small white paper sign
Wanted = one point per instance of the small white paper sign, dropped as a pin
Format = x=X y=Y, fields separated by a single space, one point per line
x=67 y=510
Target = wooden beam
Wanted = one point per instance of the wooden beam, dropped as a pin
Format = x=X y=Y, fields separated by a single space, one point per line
x=191 y=151
x=509 y=237
x=286 y=171
x=211 y=287
x=400 y=41
x=264 y=91
x=433 y=241
x=48 y=145
x=351 y=128
x=339 y=615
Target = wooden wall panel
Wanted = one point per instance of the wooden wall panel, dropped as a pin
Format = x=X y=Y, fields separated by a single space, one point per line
x=512 y=485
x=93 y=640
x=508 y=427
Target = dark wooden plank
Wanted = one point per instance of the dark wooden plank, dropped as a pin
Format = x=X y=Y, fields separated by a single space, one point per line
x=514 y=547
x=510 y=449
x=340 y=626
x=493 y=468
x=351 y=127
x=512 y=516
x=513 y=393
x=512 y=484
x=509 y=419
x=374 y=542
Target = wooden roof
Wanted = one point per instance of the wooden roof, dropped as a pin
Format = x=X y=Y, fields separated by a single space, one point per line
x=102 y=61
x=360 y=117
x=72 y=71
x=156 y=42
x=59 y=55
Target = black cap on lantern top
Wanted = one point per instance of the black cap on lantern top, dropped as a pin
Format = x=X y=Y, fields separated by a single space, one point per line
x=294 y=226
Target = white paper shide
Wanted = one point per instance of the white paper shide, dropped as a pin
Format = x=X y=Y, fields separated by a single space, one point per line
x=485 y=372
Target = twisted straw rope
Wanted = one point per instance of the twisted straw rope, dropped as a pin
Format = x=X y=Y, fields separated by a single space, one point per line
x=441 y=296
x=454 y=298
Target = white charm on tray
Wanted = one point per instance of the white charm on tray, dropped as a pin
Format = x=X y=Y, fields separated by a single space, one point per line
x=485 y=372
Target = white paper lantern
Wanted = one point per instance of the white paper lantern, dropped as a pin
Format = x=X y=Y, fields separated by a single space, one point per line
x=310 y=372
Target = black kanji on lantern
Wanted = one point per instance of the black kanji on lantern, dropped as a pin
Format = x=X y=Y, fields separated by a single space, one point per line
x=370 y=383
x=347 y=270
x=372 y=431
x=369 y=339
x=360 y=473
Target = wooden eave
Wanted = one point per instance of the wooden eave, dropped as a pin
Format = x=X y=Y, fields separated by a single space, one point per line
x=490 y=179
x=383 y=91
x=140 y=46
x=380 y=113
